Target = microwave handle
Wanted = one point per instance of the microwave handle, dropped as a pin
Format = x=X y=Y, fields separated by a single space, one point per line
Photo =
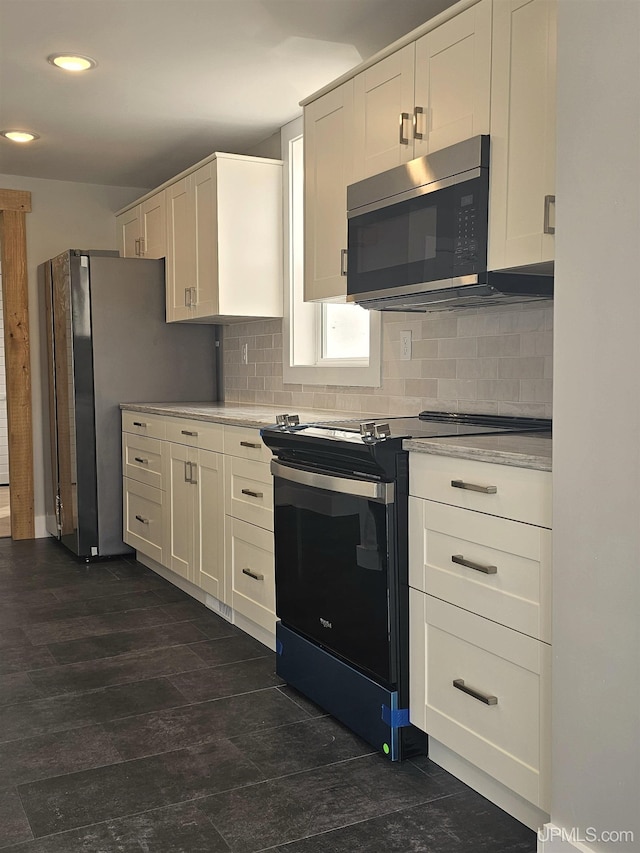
x=344 y=261
x=383 y=493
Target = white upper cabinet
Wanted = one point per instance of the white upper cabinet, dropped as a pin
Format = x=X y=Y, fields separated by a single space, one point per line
x=383 y=107
x=430 y=94
x=523 y=130
x=224 y=253
x=328 y=169
x=452 y=81
x=142 y=230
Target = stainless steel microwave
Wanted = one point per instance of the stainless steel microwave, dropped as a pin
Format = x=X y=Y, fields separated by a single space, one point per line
x=418 y=235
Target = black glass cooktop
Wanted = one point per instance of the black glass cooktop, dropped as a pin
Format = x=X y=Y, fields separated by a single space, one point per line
x=425 y=425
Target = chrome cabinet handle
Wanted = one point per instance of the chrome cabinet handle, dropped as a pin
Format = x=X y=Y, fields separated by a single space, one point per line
x=250 y=444
x=187 y=477
x=474 y=487
x=193 y=299
x=188 y=432
x=548 y=201
x=141 y=460
x=139 y=424
x=187 y=297
x=192 y=479
x=255 y=575
x=143 y=245
x=459 y=684
x=418 y=111
x=404 y=140
x=344 y=261
x=470 y=564
x=136 y=246
x=142 y=520
x=252 y=494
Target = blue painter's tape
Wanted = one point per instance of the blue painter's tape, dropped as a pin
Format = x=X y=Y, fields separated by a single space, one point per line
x=278 y=647
x=395 y=718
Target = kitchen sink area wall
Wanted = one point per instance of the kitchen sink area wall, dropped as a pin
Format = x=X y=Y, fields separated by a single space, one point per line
x=496 y=360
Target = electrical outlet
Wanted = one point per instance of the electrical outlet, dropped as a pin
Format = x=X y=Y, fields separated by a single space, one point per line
x=405 y=346
x=245 y=353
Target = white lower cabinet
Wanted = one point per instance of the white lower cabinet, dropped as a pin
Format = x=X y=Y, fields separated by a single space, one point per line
x=144 y=519
x=481 y=689
x=480 y=620
x=198 y=500
x=250 y=567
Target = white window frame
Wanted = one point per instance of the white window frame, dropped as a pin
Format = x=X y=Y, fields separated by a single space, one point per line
x=358 y=372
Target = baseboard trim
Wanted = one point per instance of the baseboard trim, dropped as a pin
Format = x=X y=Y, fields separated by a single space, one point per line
x=556 y=839
x=507 y=800
x=256 y=631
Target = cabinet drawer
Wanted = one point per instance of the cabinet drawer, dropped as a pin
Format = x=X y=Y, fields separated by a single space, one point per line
x=507 y=738
x=246 y=443
x=248 y=491
x=515 y=587
x=143 y=513
x=140 y=423
x=518 y=493
x=143 y=459
x=206 y=436
x=250 y=569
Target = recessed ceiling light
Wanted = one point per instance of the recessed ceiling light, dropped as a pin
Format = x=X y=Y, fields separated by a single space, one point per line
x=19 y=135
x=72 y=61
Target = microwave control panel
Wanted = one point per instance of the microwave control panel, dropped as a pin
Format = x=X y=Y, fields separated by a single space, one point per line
x=466 y=240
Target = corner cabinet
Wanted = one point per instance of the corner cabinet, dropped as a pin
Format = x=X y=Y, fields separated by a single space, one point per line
x=224 y=240
x=480 y=625
x=523 y=134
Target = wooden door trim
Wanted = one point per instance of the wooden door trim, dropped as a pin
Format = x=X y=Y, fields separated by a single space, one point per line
x=14 y=205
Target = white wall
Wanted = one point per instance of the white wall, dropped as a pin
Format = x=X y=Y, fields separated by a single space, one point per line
x=596 y=468
x=64 y=215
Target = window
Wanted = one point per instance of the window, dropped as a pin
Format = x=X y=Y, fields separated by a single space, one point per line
x=323 y=343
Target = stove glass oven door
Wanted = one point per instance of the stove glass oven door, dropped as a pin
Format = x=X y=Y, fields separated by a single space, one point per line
x=332 y=563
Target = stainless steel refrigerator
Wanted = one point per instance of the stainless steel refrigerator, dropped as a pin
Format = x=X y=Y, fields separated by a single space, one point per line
x=107 y=343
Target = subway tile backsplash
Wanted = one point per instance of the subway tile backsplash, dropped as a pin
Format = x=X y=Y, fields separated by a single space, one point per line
x=493 y=360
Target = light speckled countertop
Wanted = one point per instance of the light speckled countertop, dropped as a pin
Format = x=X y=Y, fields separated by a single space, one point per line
x=520 y=451
x=239 y=414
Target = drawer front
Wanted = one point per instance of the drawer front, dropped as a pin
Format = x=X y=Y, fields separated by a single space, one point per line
x=246 y=443
x=450 y=547
x=507 y=738
x=248 y=491
x=521 y=494
x=143 y=459
x=144 y=518
x=250 y=569
x=195 y=434
x=140 y=423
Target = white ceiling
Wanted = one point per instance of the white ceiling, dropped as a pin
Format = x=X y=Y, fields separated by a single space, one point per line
x=176 y=79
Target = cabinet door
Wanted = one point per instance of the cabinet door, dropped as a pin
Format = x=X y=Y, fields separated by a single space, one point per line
x=383 y=109
x=129 y=229
x=181 y=254
x=452 y=80
x=153 y=226
x=206 y=240
x=523 y=103
x=209 y=523
x=328 y=169
x=181 y=496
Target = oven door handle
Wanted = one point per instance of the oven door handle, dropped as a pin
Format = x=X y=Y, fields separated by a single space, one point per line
x=383 y=493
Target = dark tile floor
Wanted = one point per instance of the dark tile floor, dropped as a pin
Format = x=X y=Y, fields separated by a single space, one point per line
x=133 y=719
